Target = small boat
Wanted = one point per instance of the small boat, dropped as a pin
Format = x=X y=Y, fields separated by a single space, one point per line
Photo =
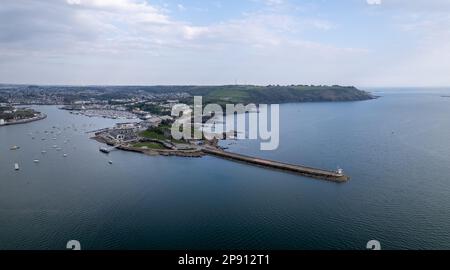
x=104 y=150
x=43 y=151
x=16 y=166
x=110 y=162
x=65 y=155
x=36 y=161
x=15 y=147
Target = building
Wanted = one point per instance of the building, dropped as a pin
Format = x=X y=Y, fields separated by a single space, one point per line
x=152 y=122
x=146 y=117
x=166 y=118
x=123 y=134
x=125 y=125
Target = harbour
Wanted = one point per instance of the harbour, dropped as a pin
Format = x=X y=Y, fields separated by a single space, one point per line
x=142 y=202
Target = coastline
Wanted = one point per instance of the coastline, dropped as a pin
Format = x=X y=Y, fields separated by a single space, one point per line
x=152 y=152
x=40 y=116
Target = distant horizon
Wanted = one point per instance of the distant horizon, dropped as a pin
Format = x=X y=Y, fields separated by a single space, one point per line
x=212 y=85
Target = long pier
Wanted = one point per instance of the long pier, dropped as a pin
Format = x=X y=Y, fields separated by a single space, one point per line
x=302 y=170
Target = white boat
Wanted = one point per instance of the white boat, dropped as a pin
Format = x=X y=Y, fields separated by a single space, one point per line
x=36 y=161
x=65 y=155
x=110 y=162
x=104 y=150
x=15 y=147
x=43 y=151
x=16 y=166
x=340 y=171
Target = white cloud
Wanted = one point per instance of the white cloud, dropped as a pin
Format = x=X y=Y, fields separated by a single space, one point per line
x=181 y=7
x=374 y=2
x=135 y=42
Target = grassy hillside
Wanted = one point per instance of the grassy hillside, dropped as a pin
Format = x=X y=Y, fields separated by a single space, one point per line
x=278 y=94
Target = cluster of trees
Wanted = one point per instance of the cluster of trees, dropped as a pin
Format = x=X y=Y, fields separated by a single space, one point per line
x=19 y=114
x=151 y=108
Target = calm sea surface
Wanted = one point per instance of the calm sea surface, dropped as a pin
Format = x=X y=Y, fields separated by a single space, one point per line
x=396 y=150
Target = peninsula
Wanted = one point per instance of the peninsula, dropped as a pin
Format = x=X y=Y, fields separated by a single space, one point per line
x=11 y=116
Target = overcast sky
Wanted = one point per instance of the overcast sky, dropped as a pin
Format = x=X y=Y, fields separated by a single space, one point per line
x=140 y=42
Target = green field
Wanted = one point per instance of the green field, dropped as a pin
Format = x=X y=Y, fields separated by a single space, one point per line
x=152 y=134
x=161 y=133
x=149 y=145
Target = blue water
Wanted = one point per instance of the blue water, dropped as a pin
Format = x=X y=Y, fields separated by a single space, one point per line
x=396 y=150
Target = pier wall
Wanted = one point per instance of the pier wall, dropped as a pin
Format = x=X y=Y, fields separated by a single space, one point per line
x=302 y=170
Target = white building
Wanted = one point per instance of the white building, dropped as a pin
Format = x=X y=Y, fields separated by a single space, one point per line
x=166 y=118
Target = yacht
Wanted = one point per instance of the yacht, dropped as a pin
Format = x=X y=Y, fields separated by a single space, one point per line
x=16 y=166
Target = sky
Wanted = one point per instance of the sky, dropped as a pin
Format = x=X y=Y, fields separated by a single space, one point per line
x=366 y=43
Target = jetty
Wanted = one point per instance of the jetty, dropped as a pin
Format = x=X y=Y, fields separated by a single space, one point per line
x=333 y=176
x=106 y=150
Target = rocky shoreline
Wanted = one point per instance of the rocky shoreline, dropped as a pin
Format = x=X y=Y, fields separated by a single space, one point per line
x=152 y=152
